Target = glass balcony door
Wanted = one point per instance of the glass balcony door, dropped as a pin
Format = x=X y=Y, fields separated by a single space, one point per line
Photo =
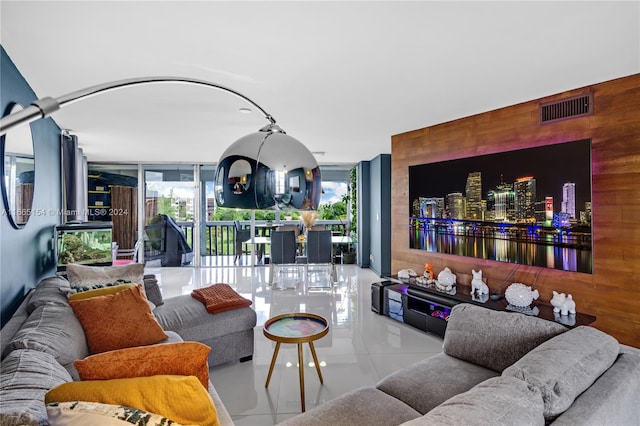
x=171 y=208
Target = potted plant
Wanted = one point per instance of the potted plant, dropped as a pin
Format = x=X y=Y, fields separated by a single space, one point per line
x=350 y=254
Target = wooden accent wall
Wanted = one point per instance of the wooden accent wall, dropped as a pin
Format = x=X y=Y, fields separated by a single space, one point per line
x=124 y=203
x=612 y=292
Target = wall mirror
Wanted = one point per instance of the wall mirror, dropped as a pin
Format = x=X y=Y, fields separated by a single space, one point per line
x=18 y=172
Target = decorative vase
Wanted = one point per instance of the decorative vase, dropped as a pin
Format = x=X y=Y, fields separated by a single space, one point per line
x=308 y=218
x=520 y=295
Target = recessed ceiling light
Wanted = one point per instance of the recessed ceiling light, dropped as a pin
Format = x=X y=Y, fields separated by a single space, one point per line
x=245 y=110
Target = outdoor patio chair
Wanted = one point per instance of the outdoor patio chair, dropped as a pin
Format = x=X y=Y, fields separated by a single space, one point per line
x=320 y=269
x=241 y=236
x=283 y=257
x=125 y=256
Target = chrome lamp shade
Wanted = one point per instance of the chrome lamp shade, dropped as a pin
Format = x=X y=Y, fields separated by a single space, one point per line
x=268 y=169
x=264 y=170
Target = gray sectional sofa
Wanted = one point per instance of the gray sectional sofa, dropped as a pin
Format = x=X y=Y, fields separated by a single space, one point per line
x=501 y=368
x=229 y=334
x=43 y=338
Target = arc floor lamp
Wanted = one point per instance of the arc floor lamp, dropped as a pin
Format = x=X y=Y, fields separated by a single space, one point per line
x=267 y=169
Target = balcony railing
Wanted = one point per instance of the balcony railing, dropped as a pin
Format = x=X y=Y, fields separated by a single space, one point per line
x=219 y=237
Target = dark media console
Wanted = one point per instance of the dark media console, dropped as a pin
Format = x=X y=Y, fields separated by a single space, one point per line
x=426 y=308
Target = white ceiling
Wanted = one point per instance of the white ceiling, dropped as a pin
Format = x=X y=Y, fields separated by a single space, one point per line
x=342 y=77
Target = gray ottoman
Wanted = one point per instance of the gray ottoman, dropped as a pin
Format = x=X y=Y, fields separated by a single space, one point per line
x=229 y=334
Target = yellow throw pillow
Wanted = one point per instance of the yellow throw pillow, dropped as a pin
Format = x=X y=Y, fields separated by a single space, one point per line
x=100 y=291
x=179 y=398
x=117 y=321
x=103 y=291
x=180 y=358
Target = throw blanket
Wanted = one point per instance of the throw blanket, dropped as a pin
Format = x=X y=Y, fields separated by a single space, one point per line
x=219 y=298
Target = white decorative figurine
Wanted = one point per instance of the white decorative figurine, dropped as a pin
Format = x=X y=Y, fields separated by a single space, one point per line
x=520 y=295
x=563 y=304
x=478 y=284
x=569 y=320
x=406 y=274
x=446 y=280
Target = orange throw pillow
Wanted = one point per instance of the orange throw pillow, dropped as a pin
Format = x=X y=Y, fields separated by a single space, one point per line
x=180 y=358
x=117 y=321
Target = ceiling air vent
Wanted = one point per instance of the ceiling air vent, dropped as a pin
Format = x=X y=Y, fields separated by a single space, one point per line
x=577 y=106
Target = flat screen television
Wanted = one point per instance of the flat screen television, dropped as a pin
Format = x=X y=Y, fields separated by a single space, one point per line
x=529 y=206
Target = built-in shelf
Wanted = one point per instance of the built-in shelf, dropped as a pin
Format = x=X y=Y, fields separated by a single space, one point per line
x=425 y=307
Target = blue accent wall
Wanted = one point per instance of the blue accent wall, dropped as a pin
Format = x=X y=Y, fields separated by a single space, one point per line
x=380 y=214
x=364 y=203
x=27 y=255
x=374 y=214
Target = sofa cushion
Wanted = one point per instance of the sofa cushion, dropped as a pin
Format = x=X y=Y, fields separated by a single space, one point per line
x=611 y=393
x=26 y=376
x=173 y=337
x=363 y=406
x=118 y=321
x=183 y=358
x=83 y=413
x=180 y=398
x=82 y=277
x=565 y=366
x=494 y=339
x=190 y=319
x=498 y=401
x=49 y=290
x=54 y=329
x=432 y=381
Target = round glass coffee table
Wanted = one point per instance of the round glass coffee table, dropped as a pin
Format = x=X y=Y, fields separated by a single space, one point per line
x=296 y=328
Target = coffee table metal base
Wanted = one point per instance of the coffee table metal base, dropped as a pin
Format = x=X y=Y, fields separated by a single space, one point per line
x=300 y=368
x=318 y=330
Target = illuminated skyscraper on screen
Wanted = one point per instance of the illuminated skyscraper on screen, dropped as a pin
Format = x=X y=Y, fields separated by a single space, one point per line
x=473 y=195
x=569 y=199
x=455 y=205
x=525 y=189
x=501 y=203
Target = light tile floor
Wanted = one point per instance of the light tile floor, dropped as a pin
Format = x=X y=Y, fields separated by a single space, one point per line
x=361 y=347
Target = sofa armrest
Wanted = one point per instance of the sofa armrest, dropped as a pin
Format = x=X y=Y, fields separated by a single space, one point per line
x=13 y=325
x=224 y=418
x=612 y=399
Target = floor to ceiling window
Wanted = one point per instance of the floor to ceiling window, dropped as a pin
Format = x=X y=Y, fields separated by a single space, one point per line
x=172 y=208
x=113 y=196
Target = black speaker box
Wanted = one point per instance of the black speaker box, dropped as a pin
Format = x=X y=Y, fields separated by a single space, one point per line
x=377 y=296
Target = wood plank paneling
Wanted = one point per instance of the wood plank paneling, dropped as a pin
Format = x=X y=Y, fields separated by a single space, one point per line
x=612 y=291
x=124 y=203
